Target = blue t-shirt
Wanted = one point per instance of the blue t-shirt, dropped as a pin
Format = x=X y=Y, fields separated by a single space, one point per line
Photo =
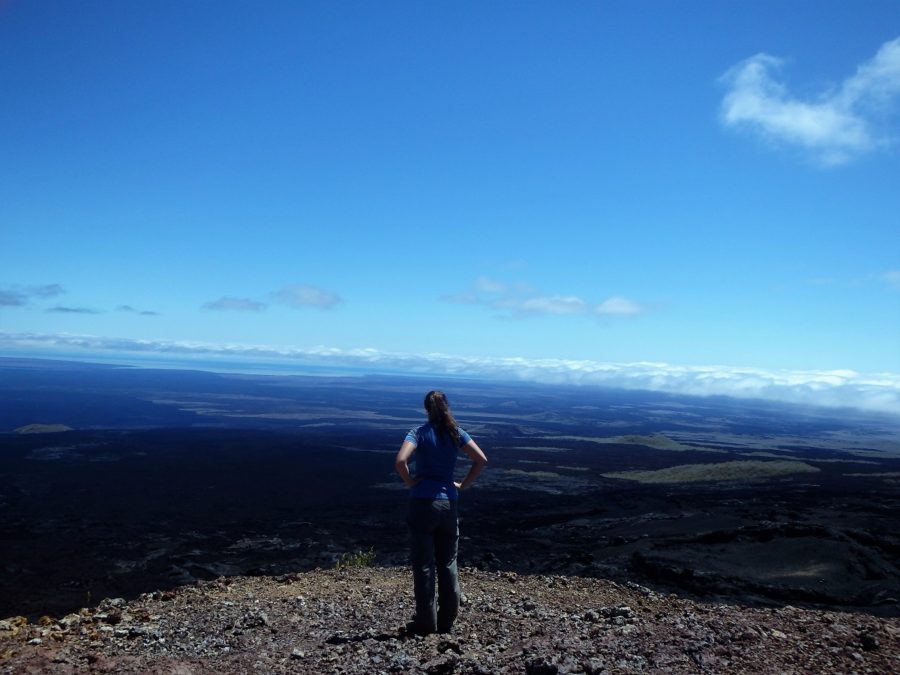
x=435 y=460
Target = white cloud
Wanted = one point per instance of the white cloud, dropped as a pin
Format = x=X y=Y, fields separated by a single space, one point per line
x=486 y=285
x=294 y=296
x=835 y=388
x=227 y=304
x=131 y=310
x=877 y=81
x=307 y=296
x=554 y=304
x=835 y=127
x=466 y=298
x=619 y=306
x=521 y=300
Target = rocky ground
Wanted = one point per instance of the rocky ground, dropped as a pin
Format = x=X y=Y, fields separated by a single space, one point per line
x=352 y=621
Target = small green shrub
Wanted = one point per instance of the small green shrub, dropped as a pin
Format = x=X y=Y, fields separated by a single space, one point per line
x=357 y=559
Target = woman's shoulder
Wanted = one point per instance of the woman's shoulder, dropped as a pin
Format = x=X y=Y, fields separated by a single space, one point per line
x=416 y=432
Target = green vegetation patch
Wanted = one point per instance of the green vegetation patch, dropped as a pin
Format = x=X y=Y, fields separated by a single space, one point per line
x=655 y=441
x=356 y=559
x=719 y=471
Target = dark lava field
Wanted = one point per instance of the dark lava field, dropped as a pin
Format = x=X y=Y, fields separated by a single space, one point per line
x=116 y=481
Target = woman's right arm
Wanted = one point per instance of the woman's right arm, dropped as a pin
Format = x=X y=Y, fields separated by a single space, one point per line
x=479 y=459
x=401 y=466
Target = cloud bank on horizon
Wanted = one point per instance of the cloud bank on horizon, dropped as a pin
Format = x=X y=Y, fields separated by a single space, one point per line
x=836 y=388
x=840 y=124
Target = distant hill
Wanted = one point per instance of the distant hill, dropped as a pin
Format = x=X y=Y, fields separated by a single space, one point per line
x=42 y=429
x=739 y=470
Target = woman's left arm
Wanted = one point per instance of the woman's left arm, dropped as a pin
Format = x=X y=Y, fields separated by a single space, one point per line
x=479 y=460
x=400 y=463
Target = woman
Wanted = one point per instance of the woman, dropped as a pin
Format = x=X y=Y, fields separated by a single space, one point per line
x=432 y=510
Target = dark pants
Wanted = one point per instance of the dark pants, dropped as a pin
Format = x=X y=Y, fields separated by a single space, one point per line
x=434 y=539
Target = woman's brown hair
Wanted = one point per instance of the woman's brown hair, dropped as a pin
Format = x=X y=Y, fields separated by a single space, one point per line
x=438 y=409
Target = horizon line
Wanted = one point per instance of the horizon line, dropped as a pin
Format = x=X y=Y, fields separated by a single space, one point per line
x=837 y=388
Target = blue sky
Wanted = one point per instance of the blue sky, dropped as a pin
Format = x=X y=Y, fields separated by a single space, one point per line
x=695 y=186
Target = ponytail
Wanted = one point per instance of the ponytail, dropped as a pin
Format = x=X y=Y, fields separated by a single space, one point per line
x=438 y=409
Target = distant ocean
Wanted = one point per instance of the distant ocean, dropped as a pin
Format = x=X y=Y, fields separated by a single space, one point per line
x=225 y=364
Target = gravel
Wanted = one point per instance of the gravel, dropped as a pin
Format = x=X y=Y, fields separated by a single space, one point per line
x=352 y=621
